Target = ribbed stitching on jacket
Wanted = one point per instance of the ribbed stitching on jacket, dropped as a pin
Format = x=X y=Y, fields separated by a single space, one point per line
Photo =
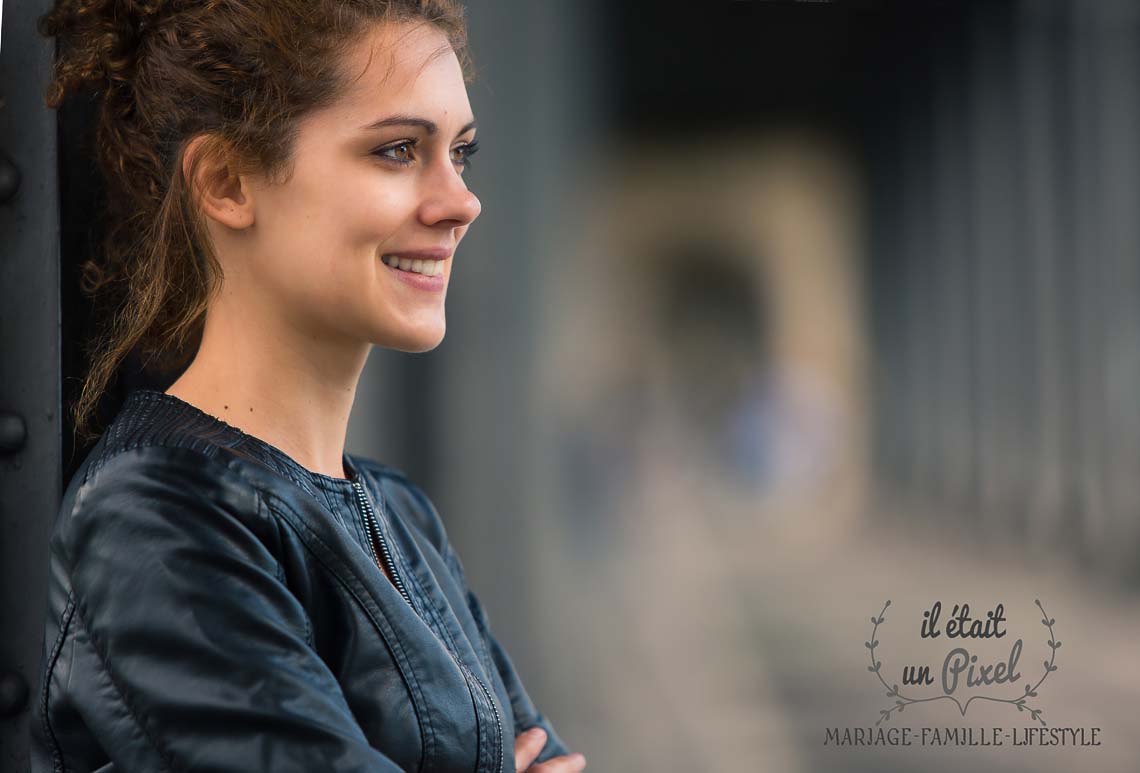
x=57 y=647
x=151 y=418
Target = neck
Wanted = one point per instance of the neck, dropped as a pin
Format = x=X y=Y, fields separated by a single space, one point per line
x=291 y=390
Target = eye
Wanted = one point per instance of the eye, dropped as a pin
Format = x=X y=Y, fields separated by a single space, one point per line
x=401 y=152
x=461 y=154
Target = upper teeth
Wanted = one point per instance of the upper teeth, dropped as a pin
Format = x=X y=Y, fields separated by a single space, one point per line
x=418 y=266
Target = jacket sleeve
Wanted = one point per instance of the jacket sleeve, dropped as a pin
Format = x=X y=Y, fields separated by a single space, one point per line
x=201 y=652
x=526 y=715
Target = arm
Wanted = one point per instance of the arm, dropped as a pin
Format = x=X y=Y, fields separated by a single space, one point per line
x=411 y=500
x=526 y=715
x=525 y=712
x=199 y=651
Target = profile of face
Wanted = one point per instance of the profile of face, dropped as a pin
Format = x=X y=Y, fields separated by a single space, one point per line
x=356 y=243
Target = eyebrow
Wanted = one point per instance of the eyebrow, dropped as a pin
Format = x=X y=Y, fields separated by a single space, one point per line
x=410 y=120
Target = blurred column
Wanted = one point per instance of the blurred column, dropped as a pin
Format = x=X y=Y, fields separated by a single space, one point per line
x=999 y=343
x=914 y=268
x=951 y=245
x=1088 y=259
x=888 y=285
x=1041 y=96
x=1115 y=72
x=923 y=427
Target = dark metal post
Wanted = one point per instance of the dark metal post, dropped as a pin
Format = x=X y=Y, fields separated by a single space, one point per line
x=29 y=364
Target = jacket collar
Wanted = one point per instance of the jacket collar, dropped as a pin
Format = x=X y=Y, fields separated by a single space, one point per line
x=149 y=416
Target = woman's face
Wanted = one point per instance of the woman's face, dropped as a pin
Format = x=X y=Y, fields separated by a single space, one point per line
x=376 y=178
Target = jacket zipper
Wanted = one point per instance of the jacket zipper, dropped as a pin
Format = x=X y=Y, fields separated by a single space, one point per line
x=376 y=537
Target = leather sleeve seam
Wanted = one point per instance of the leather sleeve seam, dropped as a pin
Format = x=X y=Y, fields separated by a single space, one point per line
x=123 y=696
x=481 y=624
x=57 y=647
x=451 y=558
x=270 y=516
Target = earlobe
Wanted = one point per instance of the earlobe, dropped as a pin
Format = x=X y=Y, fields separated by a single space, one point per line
x=222 y=194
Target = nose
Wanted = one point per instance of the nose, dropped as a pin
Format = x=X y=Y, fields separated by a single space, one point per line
x=447 y=201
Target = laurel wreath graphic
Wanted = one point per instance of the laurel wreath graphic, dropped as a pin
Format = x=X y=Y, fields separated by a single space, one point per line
x=1021 y=701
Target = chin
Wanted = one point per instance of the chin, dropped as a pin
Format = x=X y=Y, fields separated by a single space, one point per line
x=415 y=341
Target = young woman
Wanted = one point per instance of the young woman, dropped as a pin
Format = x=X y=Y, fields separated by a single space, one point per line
x=230 y=591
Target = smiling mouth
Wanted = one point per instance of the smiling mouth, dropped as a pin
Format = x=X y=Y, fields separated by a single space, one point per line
x=415 y=266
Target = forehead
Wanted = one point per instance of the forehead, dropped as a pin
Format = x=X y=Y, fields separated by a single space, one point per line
x=402 y=61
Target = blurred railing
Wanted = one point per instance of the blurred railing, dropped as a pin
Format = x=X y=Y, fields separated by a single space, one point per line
x=1005 y=275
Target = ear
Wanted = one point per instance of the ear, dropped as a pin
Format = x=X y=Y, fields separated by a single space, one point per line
x=223 y=195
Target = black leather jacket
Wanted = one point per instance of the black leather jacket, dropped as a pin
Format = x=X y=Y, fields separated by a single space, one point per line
x=215 y=606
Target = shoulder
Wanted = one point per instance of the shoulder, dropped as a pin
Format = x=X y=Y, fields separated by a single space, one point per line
x=166 y=449
x=405 y=499
x=156 y=451
x=145 y=498
x=168 y=472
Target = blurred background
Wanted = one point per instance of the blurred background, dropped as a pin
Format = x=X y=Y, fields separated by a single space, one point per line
x=775 y=311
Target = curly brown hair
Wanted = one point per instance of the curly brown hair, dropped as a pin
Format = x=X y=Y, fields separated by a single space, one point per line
x=240 y=73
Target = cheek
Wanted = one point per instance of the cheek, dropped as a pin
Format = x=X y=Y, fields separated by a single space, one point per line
x=363 y=208
x=337 y=218
x=324 y=231
x=377 y=216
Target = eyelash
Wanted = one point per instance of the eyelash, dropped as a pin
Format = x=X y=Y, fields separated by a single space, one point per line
x=468 y=149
